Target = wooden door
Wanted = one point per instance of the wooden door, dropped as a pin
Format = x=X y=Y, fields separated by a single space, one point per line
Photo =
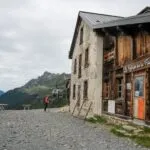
x=139 y=96
x=147 y=95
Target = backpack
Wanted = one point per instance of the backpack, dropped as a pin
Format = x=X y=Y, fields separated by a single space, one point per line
x=45 y=100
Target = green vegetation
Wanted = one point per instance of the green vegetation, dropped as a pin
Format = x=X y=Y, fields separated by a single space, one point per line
x=142 y=140
x=140 y=135
x=97 y=119
x=120 y=134
x=91 y=119
x=146 y=130
x=60 y=102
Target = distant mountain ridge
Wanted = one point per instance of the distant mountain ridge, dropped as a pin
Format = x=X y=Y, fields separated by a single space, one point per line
x=1 y=92
x=34 y=90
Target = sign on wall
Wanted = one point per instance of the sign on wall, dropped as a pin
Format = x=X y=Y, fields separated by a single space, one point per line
x=128 y=86
x=137 y=65
x=111 y=106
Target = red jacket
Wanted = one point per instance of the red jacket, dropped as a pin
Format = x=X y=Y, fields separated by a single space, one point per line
x=46 y=100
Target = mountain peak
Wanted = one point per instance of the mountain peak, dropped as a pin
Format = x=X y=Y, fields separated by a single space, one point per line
x=47 y=75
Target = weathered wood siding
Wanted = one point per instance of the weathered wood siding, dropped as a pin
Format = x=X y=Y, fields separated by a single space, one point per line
x=124 y=49
x=142 y=41
x=148 y=95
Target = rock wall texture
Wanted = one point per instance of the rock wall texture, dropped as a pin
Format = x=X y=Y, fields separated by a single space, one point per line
x=92 y=73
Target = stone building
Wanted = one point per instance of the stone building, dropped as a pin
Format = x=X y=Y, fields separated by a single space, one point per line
x=111 y=65
x=87 y=58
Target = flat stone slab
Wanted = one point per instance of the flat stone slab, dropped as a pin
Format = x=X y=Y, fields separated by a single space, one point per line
x=129 y=128
x=121 y=131
x=137 y=131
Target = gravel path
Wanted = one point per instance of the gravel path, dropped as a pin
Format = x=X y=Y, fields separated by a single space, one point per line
x=37 y=130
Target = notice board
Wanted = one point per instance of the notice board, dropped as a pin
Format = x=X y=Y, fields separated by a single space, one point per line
x=111 y=106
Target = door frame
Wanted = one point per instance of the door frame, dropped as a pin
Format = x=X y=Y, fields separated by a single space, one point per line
x=136 y=74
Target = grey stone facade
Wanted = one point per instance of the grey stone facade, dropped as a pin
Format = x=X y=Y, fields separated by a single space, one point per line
x=92 y=73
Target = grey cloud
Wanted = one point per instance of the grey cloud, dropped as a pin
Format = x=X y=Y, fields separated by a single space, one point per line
x=35 y=35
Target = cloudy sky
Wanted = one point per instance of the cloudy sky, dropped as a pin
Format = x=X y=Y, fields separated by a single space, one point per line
x=35 y=35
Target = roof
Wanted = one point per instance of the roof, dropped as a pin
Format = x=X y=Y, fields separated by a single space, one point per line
x=141 y=18
x=98 y=21
x=92 y=19
x=145 y=10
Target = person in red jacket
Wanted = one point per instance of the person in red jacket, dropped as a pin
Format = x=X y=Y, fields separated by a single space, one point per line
x=46 y=102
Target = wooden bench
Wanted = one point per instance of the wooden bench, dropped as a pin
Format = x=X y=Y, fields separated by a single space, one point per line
x=2 y=106
x=26 y=106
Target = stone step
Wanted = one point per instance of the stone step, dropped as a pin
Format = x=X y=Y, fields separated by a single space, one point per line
x=129 y=128
x=123 y=132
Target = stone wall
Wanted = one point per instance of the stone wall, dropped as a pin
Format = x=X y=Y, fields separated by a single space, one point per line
x=93 y=73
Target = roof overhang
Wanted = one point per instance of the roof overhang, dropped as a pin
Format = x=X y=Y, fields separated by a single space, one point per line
x=139 y=19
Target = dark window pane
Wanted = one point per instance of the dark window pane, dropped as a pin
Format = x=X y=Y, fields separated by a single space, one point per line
x=80 y=64
x=119 y=87
x=139 y=86
x=81 y=36
x=74 y=91
x=85 y=89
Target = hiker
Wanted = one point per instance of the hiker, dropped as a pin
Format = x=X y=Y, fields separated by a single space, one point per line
x=46 y=102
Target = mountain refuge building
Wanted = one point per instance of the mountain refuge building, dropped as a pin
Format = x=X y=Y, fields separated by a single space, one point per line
x=110 y=71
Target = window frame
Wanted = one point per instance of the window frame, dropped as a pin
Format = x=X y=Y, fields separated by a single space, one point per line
x=86 y=60
x=119 y=87
x=75 y=66
x=85 y=90
x=137 y=85
x=80 y=66
x=81 y=35
x=74 y=92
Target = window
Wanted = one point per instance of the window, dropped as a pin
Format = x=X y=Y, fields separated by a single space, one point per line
x=139 y=86
x=79 y=91
x=75 y=66
x=81 y=35
x=74 y=91
x=86 y=58
x=119 y=87
x=85 y=94
x=80 y=63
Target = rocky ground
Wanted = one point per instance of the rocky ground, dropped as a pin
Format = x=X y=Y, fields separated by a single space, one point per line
x=53 y=130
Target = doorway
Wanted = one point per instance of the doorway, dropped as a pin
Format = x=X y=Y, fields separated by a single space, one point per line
x=139 y=96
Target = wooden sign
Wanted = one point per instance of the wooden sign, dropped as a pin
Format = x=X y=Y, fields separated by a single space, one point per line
x=137 y=65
